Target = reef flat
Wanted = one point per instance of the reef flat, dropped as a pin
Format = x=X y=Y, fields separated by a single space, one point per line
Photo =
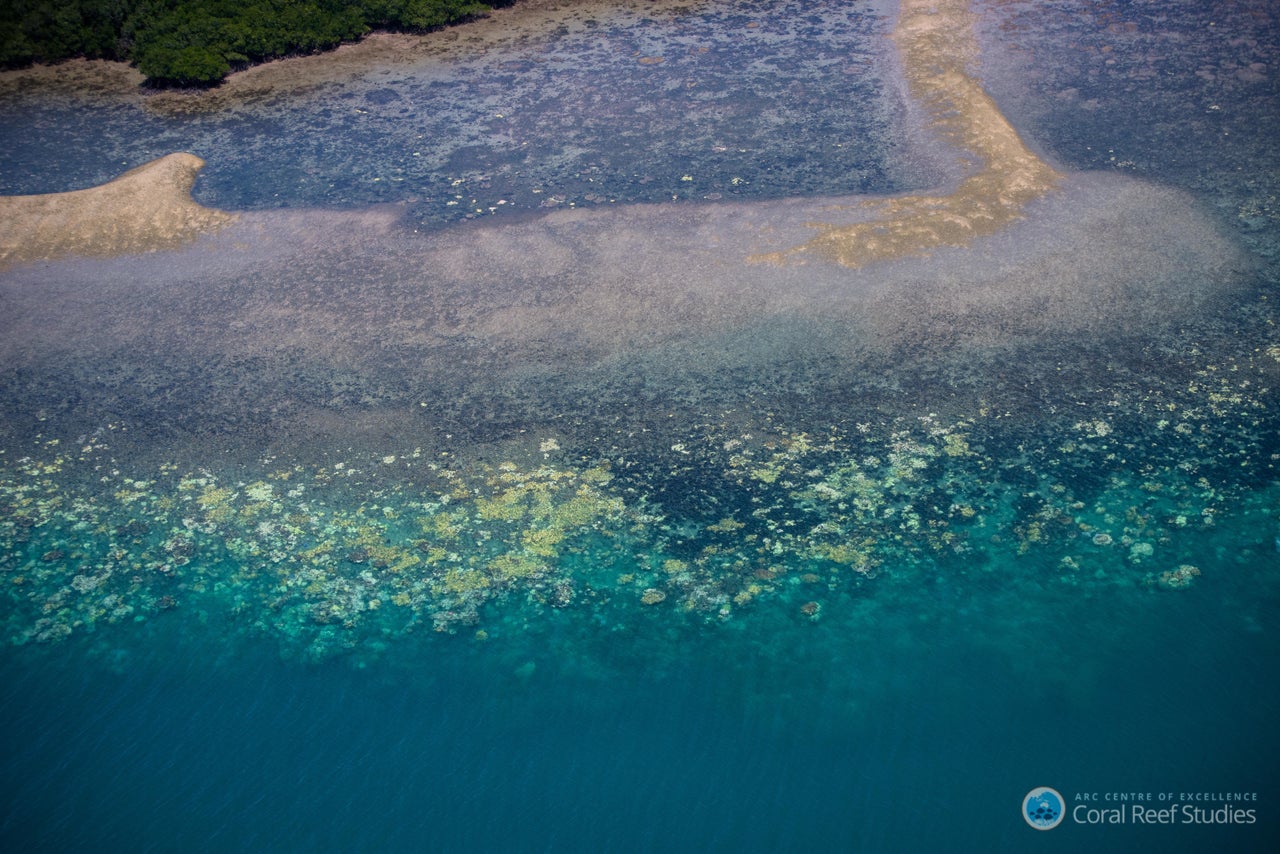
x=614 y=409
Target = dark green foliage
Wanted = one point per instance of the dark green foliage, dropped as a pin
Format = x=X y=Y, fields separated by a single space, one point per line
x=425 y=14
x=197 y=42
x=45 y=30
x=185 y=65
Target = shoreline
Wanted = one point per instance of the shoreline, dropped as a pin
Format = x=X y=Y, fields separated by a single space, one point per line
x=295 y=75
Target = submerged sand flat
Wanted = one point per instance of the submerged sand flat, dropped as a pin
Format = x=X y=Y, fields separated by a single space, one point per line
x=143 y=210
x=282 y=317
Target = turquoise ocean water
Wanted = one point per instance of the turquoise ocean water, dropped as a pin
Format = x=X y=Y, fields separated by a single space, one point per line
x=285 y=571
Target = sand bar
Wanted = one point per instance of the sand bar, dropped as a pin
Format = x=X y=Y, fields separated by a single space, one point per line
x=145 y=209
x=936 y=42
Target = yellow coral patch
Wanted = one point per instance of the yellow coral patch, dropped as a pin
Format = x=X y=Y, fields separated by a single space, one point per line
x=542 y=541
x=516 y=565
x=464 y=581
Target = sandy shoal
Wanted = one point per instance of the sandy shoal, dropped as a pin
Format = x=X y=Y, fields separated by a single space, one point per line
x=145 y=209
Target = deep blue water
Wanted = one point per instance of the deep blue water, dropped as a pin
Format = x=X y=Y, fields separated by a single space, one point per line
x=455 y=752
x=1038 y=648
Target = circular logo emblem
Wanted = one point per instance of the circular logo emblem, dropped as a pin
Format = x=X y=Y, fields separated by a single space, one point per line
x=1043 y=808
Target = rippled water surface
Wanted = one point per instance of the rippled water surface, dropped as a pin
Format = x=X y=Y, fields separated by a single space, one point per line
x=474 y=493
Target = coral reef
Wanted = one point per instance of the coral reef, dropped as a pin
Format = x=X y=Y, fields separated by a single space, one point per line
x=365 y=549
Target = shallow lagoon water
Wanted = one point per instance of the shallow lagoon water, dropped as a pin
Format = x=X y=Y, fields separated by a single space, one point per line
x=610 y=107
x=665 y=551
